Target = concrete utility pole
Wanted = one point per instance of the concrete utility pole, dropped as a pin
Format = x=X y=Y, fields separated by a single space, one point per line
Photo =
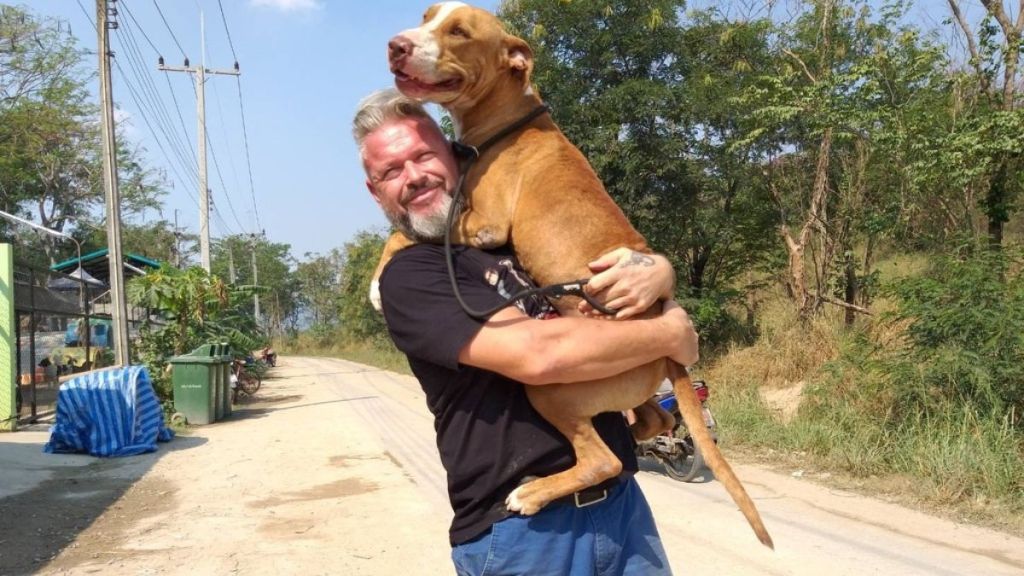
x=119 y=309
x=177 y=244
x=204 y=191
x=255 y=280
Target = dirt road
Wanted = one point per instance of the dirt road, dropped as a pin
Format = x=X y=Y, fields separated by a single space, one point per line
x=334 y=471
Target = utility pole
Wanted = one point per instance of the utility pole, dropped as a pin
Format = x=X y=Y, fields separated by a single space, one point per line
x=255 y=280
x=204 y=192
x=177 y=244
x=231 y=263
x=119 y=310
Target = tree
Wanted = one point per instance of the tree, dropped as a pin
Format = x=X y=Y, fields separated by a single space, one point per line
x=646 y=98
x=836 y=113
x=319 y=279
x=277 y=286
x=999 y=130
x=50 y=161
x=359 y=320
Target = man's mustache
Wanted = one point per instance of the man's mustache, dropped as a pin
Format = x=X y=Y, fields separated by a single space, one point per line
x=427 y=184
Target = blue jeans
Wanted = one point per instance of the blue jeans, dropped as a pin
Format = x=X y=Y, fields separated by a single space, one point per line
x=611 y=538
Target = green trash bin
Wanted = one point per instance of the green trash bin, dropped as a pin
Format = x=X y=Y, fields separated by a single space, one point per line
x=225 y=377
x=195 y=381
x=217 y=381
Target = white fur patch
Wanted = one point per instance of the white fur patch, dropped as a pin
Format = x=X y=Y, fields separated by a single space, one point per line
x=512 y=502
x=426 y=49
x=375 y=296
x=441 y=15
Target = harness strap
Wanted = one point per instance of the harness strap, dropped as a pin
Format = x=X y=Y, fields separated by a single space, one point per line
x=468 y=155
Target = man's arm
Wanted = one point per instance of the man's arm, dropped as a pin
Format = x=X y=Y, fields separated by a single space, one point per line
x=578 y=349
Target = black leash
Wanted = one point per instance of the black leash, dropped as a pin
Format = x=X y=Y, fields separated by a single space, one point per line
x=467 y=156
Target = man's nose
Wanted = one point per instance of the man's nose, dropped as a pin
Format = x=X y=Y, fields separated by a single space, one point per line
x=414 y=173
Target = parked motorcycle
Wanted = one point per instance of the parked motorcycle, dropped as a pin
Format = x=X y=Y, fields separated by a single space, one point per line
x=676 y=451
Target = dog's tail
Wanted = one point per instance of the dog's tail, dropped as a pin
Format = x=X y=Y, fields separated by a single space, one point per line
x=689 y=407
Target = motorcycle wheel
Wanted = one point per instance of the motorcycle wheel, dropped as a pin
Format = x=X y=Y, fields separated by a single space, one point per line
x=250 y=383
x=688 y=464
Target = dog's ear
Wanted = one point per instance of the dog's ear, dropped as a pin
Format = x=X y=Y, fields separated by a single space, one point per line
x=519 y=55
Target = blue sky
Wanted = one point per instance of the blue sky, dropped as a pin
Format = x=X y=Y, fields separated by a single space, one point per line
x=305 y=64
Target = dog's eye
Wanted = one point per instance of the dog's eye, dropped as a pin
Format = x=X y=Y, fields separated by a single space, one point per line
x=458 y=31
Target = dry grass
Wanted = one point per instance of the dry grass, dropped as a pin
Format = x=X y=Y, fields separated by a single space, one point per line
x=787 y=352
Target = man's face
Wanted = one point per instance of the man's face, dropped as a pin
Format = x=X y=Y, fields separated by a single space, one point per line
x=411 y=172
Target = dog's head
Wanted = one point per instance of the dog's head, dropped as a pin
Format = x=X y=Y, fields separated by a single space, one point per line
x=457 y=55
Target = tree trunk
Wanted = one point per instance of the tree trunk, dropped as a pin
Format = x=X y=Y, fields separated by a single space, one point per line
x=996 y=206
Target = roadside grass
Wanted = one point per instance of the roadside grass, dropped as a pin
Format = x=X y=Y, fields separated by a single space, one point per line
x=953 y=460
x=372 y=352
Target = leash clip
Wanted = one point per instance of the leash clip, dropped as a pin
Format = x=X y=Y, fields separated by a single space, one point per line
x=465 y=151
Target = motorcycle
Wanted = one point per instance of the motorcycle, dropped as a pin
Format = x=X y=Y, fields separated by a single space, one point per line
x=676 y=450
x=269 y=356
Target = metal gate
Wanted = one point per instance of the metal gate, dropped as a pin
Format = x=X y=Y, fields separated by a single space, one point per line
x=51 y=311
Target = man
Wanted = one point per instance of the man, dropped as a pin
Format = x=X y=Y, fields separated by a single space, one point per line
x=474 y=372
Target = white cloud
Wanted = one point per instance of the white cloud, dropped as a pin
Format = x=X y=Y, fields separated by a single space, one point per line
x=288 y=5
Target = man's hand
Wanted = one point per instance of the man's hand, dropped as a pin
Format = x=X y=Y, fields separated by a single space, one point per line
x=678 y=321
x=628 y=282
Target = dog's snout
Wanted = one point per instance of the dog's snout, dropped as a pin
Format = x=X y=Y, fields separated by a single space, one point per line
x=398 y=48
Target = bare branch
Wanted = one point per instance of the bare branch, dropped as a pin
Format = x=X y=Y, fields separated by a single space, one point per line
x=971 y=46
x=842 y=304
x=800 y=61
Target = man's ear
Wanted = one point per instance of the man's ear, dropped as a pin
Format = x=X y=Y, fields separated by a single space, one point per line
x=519 y=55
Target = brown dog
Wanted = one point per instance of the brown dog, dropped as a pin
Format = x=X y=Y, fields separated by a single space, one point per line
x=535 y=189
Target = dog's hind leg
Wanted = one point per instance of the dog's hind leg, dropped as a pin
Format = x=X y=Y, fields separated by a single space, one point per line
x=595 y=463
x=651 y=420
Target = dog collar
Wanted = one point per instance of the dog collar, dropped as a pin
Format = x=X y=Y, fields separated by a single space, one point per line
x=469 y=154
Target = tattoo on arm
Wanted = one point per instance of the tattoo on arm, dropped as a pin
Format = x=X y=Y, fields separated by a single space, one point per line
x=638 y=259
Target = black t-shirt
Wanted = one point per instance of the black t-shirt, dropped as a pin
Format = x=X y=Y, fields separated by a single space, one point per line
x=488 y=434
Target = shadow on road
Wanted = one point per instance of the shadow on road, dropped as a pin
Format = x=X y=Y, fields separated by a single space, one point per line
x=256 y=408
x=57 y=496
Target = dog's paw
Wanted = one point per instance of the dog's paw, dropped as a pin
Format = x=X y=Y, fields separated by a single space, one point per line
x=375 y=296
x=487 y=238
x=516 y=502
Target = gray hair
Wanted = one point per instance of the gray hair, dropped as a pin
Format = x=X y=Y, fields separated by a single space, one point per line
x=381 y=107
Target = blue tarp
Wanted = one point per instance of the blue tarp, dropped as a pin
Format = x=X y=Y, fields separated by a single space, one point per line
x=108 y=413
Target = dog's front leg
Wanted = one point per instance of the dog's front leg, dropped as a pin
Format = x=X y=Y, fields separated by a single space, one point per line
x=481 y=231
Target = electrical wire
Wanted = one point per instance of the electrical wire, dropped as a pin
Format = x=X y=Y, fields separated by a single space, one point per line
x=148 y=88
x=169 y=30
x=241 y=106
x=228 y=32
x=131 y=92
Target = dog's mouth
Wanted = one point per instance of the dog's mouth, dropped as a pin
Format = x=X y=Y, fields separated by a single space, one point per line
x=410 y=84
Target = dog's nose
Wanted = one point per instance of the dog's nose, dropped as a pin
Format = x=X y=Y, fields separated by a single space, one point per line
x=398 y=48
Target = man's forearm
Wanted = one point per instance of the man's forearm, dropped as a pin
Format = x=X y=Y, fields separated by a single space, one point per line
x=576 y=350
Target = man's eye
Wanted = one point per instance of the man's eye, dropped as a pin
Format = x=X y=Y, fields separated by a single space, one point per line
x=389 y=175
x=425 y=157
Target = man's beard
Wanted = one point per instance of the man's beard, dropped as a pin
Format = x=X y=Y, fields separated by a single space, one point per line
x=423 y=227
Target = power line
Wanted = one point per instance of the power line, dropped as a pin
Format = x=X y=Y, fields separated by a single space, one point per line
x=132 y=16
x=131 y=92
x=169 y=30
x=248 y=157
x=149 y=89
x=228 y=32
x=216 y=167
x=241 y=106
